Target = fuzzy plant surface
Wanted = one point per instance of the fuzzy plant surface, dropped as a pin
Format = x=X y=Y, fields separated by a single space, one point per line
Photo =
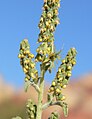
x=47 y=56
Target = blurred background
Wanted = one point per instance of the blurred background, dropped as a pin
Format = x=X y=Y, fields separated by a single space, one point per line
x=18 y=20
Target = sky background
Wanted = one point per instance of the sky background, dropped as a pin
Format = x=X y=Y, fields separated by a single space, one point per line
x=19 y=19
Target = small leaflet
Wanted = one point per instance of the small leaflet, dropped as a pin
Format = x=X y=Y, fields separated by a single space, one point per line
x=17 y=117
x=26 y=85
x=65 y=110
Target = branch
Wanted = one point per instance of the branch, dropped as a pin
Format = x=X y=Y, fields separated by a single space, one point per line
x=48 y=104
x=35 y=86
x=59 y=103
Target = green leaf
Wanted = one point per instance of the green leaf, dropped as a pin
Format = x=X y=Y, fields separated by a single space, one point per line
x=65 y=82
x=26 y=85
x=54 y=115
x=51 y=67
x=49 y=97
x=65 y=110
x=17 y=117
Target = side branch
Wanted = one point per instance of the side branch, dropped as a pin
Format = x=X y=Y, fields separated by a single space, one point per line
x=48 y=104
x=35 y=86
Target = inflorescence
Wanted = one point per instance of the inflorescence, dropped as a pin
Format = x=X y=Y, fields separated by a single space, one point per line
x=31 y=109
x=48 y=22
x=63 y=75
x=46 y=54
x=26 y=61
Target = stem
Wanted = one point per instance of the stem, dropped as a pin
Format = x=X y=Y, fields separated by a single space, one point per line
x=59 y=103
x=35 y=86
x=48 y=104
x=40 y=94
x=52 y=44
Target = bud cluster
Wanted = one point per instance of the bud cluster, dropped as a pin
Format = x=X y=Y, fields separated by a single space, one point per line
x=26 y=61
x=63 y=75
x=48 y=22
x=31 y=109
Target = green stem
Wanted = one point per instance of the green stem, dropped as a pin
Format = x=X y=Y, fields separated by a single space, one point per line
x=35 y=86
x=48 y=104
x=40 y=94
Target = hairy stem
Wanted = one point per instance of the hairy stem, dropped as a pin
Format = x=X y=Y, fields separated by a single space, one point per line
x=35 y=86
x=40 y=95
x=48 y=104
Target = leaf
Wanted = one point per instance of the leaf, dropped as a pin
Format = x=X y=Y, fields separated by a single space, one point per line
x=26 y=85
x=65 y=82
x=65 y=110
x=51 y=67
x=17 y=117
x=49 y=97
x=54 y=115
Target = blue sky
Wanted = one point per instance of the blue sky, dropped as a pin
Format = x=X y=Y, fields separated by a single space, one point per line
x=19 y=19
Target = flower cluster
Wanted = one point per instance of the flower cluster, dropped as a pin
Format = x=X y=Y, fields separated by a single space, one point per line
x=47 y=56
x=26 y=61
x=48 y=22
x=31 y=109
x=63 y=75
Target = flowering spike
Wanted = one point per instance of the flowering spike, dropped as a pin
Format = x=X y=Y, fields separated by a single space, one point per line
x=63 y=75
x=26 y=61
x=46 y=55
x=47 y=25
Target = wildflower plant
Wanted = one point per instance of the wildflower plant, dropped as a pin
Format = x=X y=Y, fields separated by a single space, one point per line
x=47 y=56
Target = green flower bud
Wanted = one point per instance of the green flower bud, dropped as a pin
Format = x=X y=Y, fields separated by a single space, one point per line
x=49 y=15
x=26 y=79
x=64 y=86
x=53 y=83
x=41 y=19
x=69 y=74
x=40 y=40
x=63 y=61
x=61 y=78
x=27 y=52
x=26 y=67
x=32 y=65
x=58 y=90
x=32 y=75
x=69 y=67
x=39 y=57
x=25 y=70
x=73 y=62
x=26 y=61
x=22 y=56
x=61 y=84
x=19 y=56
x=63 y=98
x=51 y=89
